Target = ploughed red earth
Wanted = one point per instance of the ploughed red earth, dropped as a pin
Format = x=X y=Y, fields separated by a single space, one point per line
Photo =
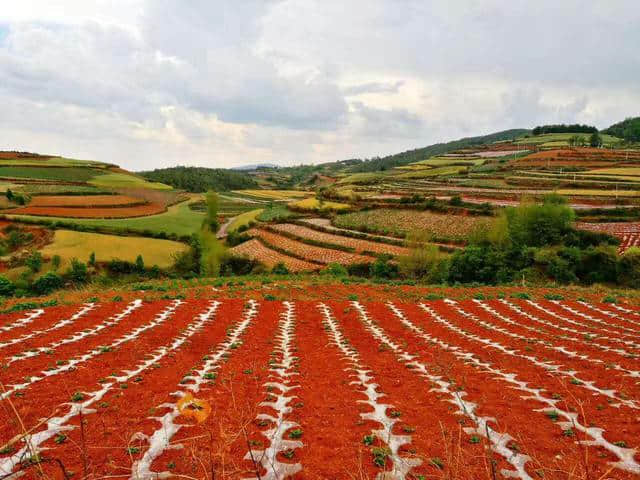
x=245 y=388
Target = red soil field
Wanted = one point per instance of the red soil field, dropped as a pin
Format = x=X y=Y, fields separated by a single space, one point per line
x=627 y=232
x=308 y=252
x=256 y=250
x=97 y=212
x=84 y=201
x=234 y=388
x=586 y=157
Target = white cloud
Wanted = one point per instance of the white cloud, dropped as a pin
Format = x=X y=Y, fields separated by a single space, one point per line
x=149 y=83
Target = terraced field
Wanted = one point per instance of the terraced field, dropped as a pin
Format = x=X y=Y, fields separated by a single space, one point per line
x=307 y=252
x=256 y=250
x=357 y=245
x=105 y=212
x=400 y=222
x=84 y=201
x=229 y=388
x=627 y=232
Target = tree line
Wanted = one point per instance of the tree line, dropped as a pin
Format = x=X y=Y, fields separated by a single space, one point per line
x=628 y=129
x=201 y=179
x=564 y=128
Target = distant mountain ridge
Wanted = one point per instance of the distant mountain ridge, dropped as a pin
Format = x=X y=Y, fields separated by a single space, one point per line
x=409 y=156
x=254 y=166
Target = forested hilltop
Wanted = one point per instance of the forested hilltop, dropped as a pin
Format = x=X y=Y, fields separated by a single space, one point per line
x=404 y=158
x=628 y=129
x=201 y=179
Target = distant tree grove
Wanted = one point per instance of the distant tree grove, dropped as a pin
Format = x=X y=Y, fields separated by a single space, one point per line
x=200 y=179
x=563 y=128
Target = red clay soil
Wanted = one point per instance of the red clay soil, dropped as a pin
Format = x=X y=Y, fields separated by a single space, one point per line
x=328 y=405
x=553 y=452
x=221 y=441
x=438 y=428
x=591 y=408
x=45 y=396
x=70 y=212
x=54 y=314
x=309 y=252
x=123 y=412
x=586 y=370
x=585 y=157
x=557 y=336
x=84 y=201
x=599 y=322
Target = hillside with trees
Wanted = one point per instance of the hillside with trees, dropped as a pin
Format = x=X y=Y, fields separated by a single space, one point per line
x=563 y=128
x=201 y=179
x=628 y=129
x=385 y=163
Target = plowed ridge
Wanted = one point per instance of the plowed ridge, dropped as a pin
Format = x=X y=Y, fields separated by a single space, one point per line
x=520 y=389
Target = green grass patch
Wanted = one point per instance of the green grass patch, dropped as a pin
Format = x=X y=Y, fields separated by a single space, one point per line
x=275 y=212
x=123 y=180
x=433 y=172
x=71 y=174
x=244 y=219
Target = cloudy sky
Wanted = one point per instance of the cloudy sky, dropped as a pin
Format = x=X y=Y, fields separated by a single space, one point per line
x=150 y=83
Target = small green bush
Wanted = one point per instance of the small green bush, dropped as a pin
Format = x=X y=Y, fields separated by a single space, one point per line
x=7 y=288
x=47 y=283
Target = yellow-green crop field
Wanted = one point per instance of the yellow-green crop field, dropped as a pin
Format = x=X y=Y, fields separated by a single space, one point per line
x=69 y=244
x=274 y=194
x=314 y=204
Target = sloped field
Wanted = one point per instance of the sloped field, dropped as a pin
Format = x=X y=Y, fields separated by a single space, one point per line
x=228 y=388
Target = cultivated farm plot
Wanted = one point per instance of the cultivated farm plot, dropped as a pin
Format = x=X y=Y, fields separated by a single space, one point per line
x=84 y=201
x=106 y=212
x=308 y=252
x=228 y=388
x=70 y=244
x=401 y=222
x=178 y=219
x=356 y=244
x=256 y=250
x=627 y=232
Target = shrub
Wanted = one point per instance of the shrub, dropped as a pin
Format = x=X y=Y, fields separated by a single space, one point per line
x=475 y=264
x=77 y=273
x=237 y=265
x=382 y=268
x=17 y=238
x=34 y=261
x=237 y=237
x=336 y=270
x=55 y=262
x=421 y=261
x=598 y=265
x=280 y=269
x=630 y=268
x=47 y=283
x=139 y=264
x=92 y=259
x=117 y=266
x=7 y=288
x=455 y=201
x=359 y=269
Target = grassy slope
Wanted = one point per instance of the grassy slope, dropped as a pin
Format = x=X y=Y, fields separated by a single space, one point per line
x=122 y=180
x=75 y=174
x=244 y=219
x=70 y=244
